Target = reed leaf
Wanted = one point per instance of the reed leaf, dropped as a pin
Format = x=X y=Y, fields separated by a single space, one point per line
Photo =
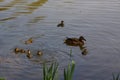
x=68 y=74
x=116 y=77
x=2 y=78
x=49 y=73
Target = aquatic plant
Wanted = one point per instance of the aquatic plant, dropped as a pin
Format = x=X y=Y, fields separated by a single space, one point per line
x=116 y=77
x=70 y=53
x=2 y=78
x=68 y=73
x=49 y=73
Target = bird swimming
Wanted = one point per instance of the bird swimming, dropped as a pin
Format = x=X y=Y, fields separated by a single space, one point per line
x=22 y=51
x=29 y=55
x=30 y=40
x=75 y=41
x=39 y=53
x=16 y=50
x=61 y=24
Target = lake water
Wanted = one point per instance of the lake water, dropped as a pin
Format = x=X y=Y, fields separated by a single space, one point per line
x=97 y=20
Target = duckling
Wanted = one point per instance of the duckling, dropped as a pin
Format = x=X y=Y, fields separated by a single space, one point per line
x=75 y=41
x=61 y=24
x=29 y=41
x=29 y=55
x=28 y=52
x=84 y=52
x=16 y=50
x=22 y=51
x=39 y=53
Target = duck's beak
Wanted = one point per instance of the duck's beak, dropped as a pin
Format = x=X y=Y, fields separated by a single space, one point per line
x=84 y=39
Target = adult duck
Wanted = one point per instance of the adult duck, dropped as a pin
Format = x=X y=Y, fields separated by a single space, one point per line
x=75 y=41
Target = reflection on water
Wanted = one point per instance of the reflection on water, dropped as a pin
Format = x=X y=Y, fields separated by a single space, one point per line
x=99 y=22
x=9 y=18
x=36 y=19
x=32 y=6
x=1 y=0
x=3 y=8
x=22 y=7
x=10 y=4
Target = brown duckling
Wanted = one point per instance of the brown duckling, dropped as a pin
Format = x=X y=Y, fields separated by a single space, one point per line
x=39 y=53
x=75 y=41
x=29 y=55
x=16 y=50
x=84 y=52
x=22 y=51
x=61 y=24
x=29 y=41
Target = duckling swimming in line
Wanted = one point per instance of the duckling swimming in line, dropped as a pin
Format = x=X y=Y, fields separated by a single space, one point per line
x=22 y=51
x=16 y=50
x=29 y=55
x=75 y=41
x=61 y=24
x=39 y=53
x=29 y=41
x=84 y=52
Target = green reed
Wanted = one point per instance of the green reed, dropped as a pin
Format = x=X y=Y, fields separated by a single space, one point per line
x=2 y=78
x=49 y=73
x=68 y=73
x=70 y=53
x=116 y=77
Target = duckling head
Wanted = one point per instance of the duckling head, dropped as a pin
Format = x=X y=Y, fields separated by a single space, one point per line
x=39 y=53
x=29 y=55
x=16 y=50
x=61 y=24
x=28 y=52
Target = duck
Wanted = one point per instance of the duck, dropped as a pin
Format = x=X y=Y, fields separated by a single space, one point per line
x=16 y=50
x=39 y=53
x=61 y=24
x=22 y=51
x=29 y=41
x=84 y=52
x=29 y=55
x=75 y=41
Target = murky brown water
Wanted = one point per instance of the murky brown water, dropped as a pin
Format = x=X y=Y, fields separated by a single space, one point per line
x=97 y=21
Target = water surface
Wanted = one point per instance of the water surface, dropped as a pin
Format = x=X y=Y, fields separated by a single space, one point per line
x=97 y=20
